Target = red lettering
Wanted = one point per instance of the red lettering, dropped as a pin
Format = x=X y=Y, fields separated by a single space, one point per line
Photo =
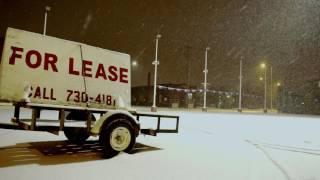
x=44 y=93
x=50 y=59
x=69 y=94
x=71 y=68
x=33 y=59
x=101 y=72
x=37 y=62
x=30 y=95
x=37 y=93
x=123 y=75
x=113 y=73
x=84 y=97
x=14 y=54
x=86 y=68
x=51 y=95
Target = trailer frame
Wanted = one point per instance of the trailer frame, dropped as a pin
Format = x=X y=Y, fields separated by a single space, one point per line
x=31 y=124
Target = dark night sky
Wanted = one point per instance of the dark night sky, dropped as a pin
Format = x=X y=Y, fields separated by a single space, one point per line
x=283 y=33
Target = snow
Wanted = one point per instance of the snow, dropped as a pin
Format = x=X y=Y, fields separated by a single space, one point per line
x=219 y=145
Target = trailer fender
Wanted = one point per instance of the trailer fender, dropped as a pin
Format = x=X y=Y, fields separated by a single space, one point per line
x=111 y=115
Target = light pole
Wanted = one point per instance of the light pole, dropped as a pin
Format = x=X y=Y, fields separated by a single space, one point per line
x=278 y=98
x=240 y=86
x=263 y=66
x=47 y=9
x=155 y=63
x=271 y=89
x=205 y=71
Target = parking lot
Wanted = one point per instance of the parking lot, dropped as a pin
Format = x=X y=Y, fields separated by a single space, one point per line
x=208 y=146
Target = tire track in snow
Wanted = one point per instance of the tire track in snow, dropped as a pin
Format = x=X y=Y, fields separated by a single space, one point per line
x=310 y=151
x=284 y=172
x=290 y=147
x=292 y=150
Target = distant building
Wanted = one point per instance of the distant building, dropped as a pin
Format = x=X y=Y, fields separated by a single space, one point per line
x=183 y=96
x=168 y=95
x=302 y=100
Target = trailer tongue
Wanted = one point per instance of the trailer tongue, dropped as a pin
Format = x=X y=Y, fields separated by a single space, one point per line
x=77 y=80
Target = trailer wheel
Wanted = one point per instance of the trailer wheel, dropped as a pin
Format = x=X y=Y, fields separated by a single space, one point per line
x=117 y=136
x=78 y=116
x=77 y=135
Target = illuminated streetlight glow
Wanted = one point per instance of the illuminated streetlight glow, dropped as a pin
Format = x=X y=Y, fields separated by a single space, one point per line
x=263 y=65
x=278 y=84
x=261 y=78
x=134 y=63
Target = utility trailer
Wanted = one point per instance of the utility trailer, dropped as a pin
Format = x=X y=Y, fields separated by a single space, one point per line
x=76 y=80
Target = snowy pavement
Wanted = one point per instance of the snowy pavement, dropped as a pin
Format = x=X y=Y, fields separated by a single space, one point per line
x=209 y=146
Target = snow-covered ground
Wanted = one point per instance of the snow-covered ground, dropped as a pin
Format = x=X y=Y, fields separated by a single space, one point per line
x=208 y=146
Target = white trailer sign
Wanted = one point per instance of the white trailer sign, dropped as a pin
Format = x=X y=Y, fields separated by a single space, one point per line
x=47 y=70
x=79 y=81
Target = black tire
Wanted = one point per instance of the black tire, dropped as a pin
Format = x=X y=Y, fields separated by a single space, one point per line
x=77 y=135
x=105 y=137
x=78 y=116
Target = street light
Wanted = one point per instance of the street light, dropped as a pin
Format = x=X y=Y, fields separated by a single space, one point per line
x=263 y=66
x=205 y=71
x=134 y=63
x=155 y=63
x=240 y=86
x=47 y=9
x=271 y=87
x=278 y=84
